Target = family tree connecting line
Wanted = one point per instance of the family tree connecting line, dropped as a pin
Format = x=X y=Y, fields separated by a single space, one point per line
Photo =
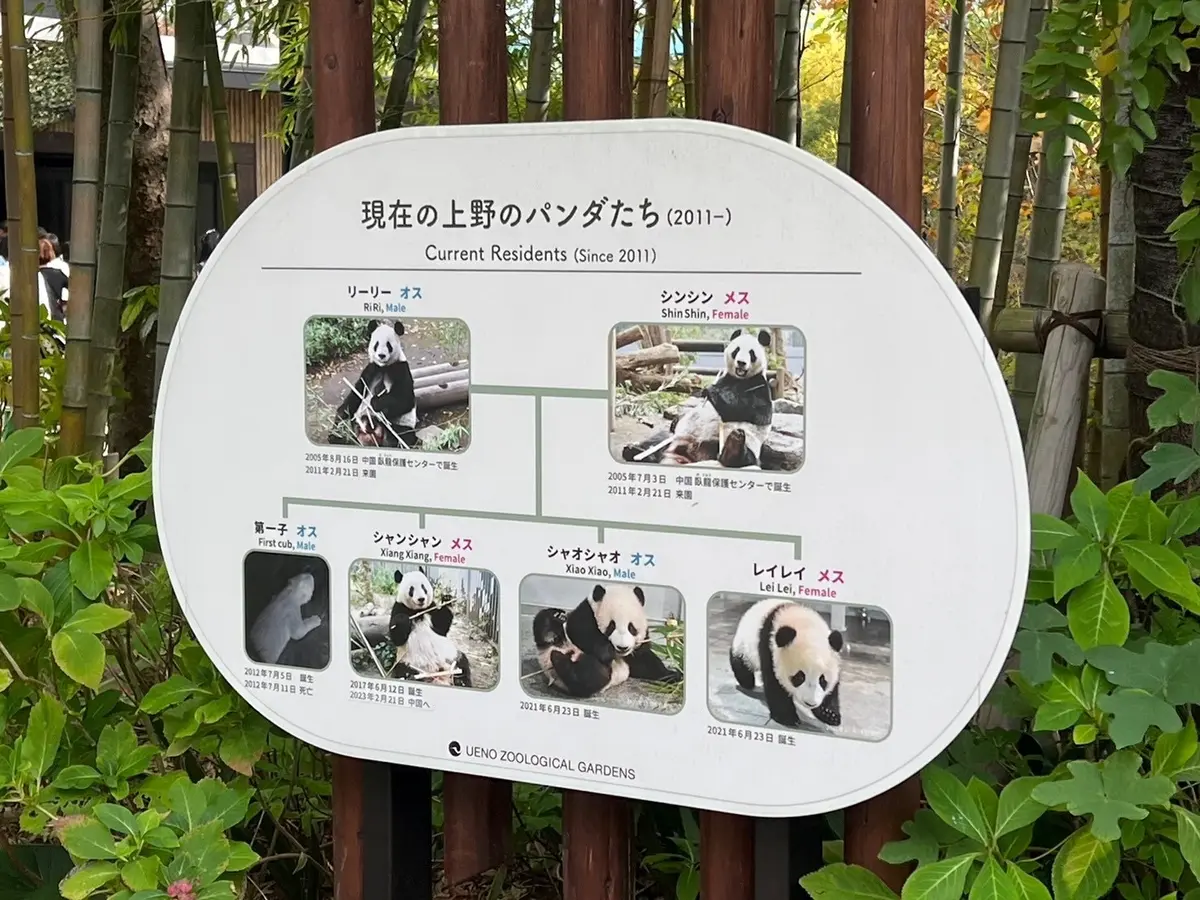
x=601 y=525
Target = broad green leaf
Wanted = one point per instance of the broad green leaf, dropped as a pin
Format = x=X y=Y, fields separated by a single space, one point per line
x=1040 y=585
x=92 y=568
x=20 y=446
x=1038 y=649
x=161 y=838
x=42 y=736
x=1085 y=868
x=1056 y=715
x=1108 y=792
x=1133 y=712
x=840 y=881
x=142 y=874
x=953 y=803
x=219 y=890
x=37 y=599
x=167 y=693
x=89 y=840
x=224 y=803
x=1084 y=734
x=85 y=880
x=10 y=593
x=80 y=655
x=1188 y=825
x=1174 y=752
x=115 y=742
x=1167 y=462
x=1027 y=887
x=926 y=834
x=129 y=489
x=206 y=849
x=1168 y=861
x=6 y=678
x=1179 y=402
x=97 y=618
x=1017 y=806
x=214 y=710
x=187 y=801
x=986 y=799
x=1098 y=614
x=75 y=778
x=116 y=818
x=1185 y=518
x=943 y=880
x=1160 y=566
x=1090 y=506
x=1050 y=531
x=993 y=883
x=241 y=857
x=1122 y=504
x=1076 y=561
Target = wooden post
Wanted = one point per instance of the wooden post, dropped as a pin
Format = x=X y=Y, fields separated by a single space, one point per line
x=887 y=73
x=735 y=44
x=343 y=109
x=473 y=89
x=1058 y=406
x=597 y=84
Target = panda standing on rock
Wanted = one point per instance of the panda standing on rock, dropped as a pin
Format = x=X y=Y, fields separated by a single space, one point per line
x=383 y=404
x=601 y=643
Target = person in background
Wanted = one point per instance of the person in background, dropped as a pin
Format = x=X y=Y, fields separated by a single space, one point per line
x=59 y=261
x=52 y=281
x=208 y=243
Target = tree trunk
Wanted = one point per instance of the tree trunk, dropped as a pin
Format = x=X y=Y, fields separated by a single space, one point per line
x=110 y=260
x=1155 y=324
x=23 y=240
x=655 y=60
x=541 y=58
x=144 y=237
x=406 y=62
x=1017 y=175
x=183 y=175
x=85 y=209
x=689 y=58
x=843 y=139
x=226 y=167
x=997 y=166
x=1045 y=248
x=948 y=189
x=787 y=77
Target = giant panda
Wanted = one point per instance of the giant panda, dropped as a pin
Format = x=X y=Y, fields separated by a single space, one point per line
x=418 y=629
x=798 y=657
x=565 y=666
x=609 y=628
x=732 y=422
x=387 y=417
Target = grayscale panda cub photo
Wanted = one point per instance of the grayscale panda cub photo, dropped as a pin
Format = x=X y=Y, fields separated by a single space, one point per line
x=607 y=643
x=803 y=665
x=399 y=384
x=286 y=607
x=716 y=396
x=436 y=625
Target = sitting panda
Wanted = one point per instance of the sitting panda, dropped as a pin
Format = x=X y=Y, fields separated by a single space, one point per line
x=282 y=620
x=601 y=643
x=798 y=656
x=383 y=404
x=732 y=423
x=418 y=629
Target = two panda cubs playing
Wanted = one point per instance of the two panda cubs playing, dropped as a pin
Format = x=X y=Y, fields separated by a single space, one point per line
x=419 y=629
x=601 y=643
x=382 y=407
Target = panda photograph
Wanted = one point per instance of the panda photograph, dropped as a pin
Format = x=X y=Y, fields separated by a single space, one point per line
x=609 y=643
x=286 y=609
x=708 y=395
x=400 y=384
x=435 y=625
x=804 y=665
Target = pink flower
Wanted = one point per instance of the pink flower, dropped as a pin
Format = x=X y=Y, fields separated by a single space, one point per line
x=181 y=890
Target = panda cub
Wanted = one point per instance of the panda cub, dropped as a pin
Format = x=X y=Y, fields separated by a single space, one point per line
x=601 y=643
x=282 y=621
x=418 y=629
x=387 y=417
x=798 y=657
x=732 y=423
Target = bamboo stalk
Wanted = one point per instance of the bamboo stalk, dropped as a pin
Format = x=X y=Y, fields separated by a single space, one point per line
x=787 y=77
x=948 y=188
x=110 y=259
x=1020 y=165
x=85 y=209
x=1045 y=248
x=660 y=58
x=997 y=166
x=23 y=293
x=541 y=58
x=782 y=7
x=1114 y=405
x=406 y=63
x=302 y=136
x=843 y=139
x=689 y=58
x=641 y=103
x=183 y=172
x=226 y=167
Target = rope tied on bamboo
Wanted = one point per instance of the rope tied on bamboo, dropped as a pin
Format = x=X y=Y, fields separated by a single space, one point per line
x=1057 y=318
x=1143 y=360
